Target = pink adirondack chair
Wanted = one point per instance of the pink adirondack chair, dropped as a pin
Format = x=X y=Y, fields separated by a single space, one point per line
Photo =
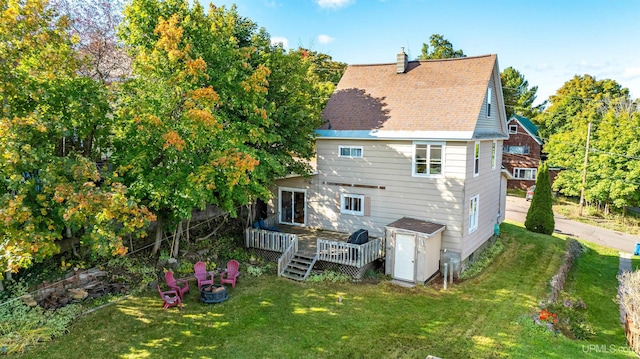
x=201 y=274
x=180 y=286
x=230 y=274
x=170 y=298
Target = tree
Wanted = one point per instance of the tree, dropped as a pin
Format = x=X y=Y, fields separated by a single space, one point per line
x=214 y=113
x=51 y=125
x=518 y=97
x=540 y=215
x=441 y=48
x=611 y=174
x=93 y=23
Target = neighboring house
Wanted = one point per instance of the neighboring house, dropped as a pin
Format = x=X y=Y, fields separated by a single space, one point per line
x=522 y=152
x=411 y=152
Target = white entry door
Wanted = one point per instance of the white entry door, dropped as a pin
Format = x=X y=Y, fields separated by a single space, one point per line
x=403 y=267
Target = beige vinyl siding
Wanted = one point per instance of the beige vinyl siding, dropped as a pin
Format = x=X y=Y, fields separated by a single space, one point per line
x=490 y=124
x=389 y=164
x=489 y=187
x=297 y=183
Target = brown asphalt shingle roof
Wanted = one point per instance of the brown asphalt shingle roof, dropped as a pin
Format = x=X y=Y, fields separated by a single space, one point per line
x=417 y=225
x=432 y=95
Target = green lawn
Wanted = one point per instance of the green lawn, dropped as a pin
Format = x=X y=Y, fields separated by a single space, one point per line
x=269 y=317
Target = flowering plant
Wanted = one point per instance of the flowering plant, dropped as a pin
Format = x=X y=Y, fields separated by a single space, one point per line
x=547 y=316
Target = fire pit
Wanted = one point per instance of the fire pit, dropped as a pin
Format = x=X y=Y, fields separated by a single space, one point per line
x=213 y=293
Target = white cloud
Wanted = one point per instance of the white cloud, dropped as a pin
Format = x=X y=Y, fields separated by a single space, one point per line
x=325 y=39
x=333 y=4
x=280 y=40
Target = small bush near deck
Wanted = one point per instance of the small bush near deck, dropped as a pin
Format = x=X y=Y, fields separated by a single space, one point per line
x=486 y=257
x=329 y=276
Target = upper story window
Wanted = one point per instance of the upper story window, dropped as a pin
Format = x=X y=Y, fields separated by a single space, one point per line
x=489 y=102
x=352 y=204
x=516 y=150
x=428 y=159
x=525 y=173
x=350 y=151
x=476 y=159
x=494 y=155
x=513 y=129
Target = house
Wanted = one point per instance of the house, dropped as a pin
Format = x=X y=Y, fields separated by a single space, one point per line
x=522 y=152
x=411 y=152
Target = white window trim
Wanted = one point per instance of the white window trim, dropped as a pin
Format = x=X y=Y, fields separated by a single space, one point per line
x=515 y=131
x=473 y=216
x=476 y=159
x=533 y=170
x=494 y=155
x=350 y=147
x=413 y=160
x=489 y=96
x=344 y=196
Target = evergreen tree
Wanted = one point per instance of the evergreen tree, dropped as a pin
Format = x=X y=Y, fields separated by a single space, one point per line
x=540 y=214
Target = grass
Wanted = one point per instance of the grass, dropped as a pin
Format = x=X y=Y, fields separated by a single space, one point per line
x=627 y=223
x=269 y=317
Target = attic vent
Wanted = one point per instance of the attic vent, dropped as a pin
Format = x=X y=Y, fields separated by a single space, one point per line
x=402 y=62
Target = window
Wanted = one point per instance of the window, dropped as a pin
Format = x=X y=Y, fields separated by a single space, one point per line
x=350 y=151
x=352 y=204
x=428 y=159
x=525 y=173
x=494 y=154
x=513 y=129
x=517 y=150
x=489 y=102
x=473 y=213
x=476 y=160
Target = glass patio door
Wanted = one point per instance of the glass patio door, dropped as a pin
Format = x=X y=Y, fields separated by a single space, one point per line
x=293 y=206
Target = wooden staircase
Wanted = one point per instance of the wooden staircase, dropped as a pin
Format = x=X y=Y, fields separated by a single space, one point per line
x=299 y=267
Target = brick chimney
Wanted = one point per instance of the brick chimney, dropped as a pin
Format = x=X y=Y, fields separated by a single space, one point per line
x=402 y=62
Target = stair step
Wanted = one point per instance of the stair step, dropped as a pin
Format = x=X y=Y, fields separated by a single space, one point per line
x=303 y=267
x=296 y=271
x=294 y=277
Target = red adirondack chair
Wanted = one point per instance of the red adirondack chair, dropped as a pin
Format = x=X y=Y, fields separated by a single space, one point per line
x=231 y=273
x=201 y=274
x=180 y=286
x=170 y=298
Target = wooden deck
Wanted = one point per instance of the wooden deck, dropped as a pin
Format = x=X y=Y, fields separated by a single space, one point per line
x=308 y=237
x=319 y=245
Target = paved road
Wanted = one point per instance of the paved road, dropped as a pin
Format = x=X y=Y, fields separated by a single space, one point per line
x=517 y=211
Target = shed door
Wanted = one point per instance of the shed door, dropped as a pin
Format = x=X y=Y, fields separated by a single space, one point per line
x=403 y=267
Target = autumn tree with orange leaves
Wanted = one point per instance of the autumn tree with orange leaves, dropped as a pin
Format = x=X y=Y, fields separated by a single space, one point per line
x=52 y=124
x=213 y=113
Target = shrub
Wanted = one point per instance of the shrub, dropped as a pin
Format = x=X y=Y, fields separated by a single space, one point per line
x=483 y=261
x=540 y=215
x=254 y=271
x=23 y=326
x=329 y=276
x=572 y=318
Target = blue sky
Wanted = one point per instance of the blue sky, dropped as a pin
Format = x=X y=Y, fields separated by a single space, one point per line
x=547 y=41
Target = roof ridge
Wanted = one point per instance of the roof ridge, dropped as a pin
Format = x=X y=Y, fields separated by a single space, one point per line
x=428 y=60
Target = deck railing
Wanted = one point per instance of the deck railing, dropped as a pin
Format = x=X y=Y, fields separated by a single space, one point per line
x=349 y=254
x=287 y=255
x=269 y=240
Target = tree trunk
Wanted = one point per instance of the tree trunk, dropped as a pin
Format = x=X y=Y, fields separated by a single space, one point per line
x=159 y=234
x=176 y=240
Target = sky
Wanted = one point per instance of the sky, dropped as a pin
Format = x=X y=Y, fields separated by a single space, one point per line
x=548 y=41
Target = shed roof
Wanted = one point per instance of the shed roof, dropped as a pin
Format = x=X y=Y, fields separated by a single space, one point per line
x=417 y=225
x=432 y=95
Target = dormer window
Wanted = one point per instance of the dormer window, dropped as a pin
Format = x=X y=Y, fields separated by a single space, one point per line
x=489 y=102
